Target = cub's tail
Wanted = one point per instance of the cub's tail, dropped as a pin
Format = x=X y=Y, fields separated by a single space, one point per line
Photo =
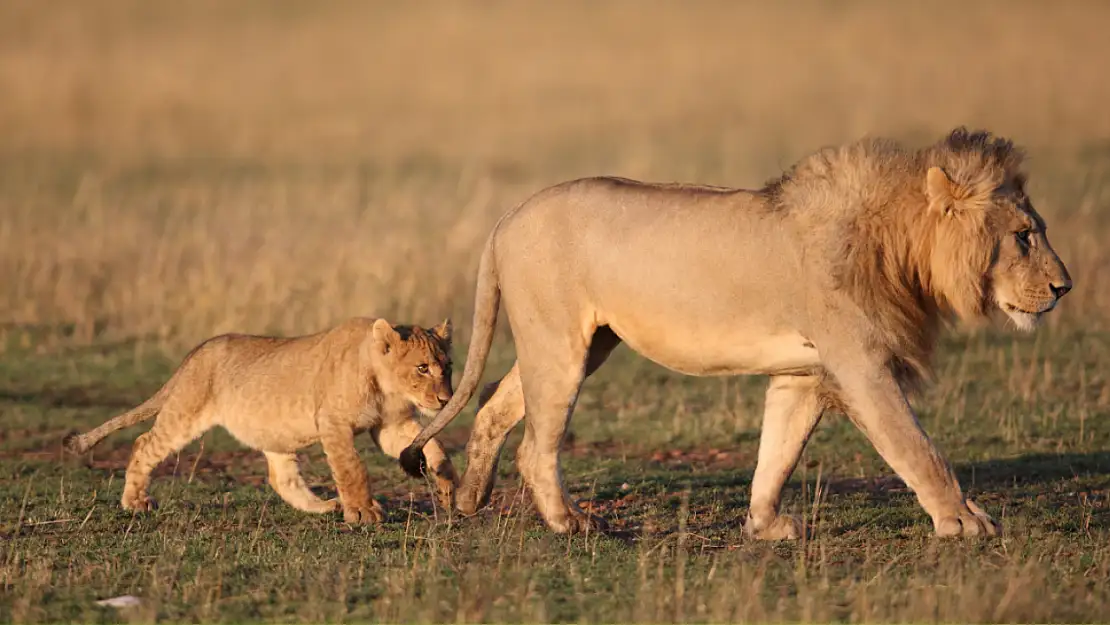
x=80 y=443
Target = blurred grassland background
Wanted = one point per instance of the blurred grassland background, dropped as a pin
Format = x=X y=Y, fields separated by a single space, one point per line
x=169 y=171
x=173 y=170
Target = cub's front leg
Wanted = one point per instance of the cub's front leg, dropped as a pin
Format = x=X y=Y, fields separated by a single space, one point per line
x=393 y=436
x=350 y=475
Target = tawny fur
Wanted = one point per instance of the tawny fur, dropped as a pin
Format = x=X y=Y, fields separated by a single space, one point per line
x=911 y=268
x=833 y=279
x=278 y=395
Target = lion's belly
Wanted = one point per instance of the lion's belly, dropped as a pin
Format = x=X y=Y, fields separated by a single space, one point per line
x=786 y=352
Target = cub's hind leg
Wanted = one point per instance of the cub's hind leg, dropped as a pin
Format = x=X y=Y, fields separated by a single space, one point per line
x=286 y=480
x=174 y=428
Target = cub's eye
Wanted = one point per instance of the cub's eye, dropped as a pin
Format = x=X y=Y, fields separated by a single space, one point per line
x=1024 y=238
x=423 y=369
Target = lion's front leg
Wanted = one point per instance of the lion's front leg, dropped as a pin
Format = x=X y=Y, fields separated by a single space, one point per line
x=792 y=411
x=877 y=405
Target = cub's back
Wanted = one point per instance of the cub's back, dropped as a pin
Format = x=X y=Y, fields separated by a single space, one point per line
x=261 y=367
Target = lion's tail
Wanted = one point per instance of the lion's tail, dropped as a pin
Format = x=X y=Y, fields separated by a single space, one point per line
x=487 y=300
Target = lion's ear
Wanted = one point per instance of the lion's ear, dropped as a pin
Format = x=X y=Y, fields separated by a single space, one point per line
x=443 y=330
x=938 y=191
x=385 y=336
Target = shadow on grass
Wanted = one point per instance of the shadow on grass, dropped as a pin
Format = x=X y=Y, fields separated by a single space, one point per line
x=1045 y=481
x=1034 y=469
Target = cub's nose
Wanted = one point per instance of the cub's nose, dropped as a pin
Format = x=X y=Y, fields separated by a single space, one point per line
x=1060 y=290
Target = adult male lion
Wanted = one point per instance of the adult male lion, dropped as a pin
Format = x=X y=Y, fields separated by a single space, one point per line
x=832 y=279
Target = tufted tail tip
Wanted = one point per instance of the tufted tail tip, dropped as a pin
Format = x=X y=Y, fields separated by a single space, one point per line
x=72 y=444
x=413 y=462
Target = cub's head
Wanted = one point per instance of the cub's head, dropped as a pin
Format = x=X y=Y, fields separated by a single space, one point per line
x=414 y=363
x=991 y=249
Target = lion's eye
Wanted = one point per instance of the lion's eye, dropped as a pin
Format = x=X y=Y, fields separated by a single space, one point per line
x=1024 y=238
x=423 y=369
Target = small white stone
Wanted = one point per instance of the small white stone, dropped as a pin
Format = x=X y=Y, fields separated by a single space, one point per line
x=123 y=601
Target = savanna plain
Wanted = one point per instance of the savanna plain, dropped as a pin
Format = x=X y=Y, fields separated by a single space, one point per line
x=173 y=171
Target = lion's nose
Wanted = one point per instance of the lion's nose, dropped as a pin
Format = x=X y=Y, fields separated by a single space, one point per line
x=1060 y=290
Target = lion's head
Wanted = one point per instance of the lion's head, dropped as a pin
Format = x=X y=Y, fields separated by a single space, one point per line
x=415 y=363
x=915 y=237
x=990 y=247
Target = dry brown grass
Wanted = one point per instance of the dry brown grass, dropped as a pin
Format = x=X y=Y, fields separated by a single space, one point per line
x=174 y=171
x=170 y=171
x=511 y=79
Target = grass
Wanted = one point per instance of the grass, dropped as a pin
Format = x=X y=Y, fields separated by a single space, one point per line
x=667 y=459
x=172 y=172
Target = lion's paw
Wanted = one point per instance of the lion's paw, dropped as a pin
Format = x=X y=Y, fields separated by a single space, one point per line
x=578 y=521
x=363 y=513
x=138 y=503
x=970 y=521
x=784 y=527
x=471 y=496
x=466 y=501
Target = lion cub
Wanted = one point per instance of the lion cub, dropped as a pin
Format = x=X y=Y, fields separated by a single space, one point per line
x=278 y=395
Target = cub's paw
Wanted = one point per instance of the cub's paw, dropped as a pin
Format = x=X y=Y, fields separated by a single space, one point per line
x=445 y=494
x=363 y=513
x=971 y=520
x=784 y=527
x=138 y=503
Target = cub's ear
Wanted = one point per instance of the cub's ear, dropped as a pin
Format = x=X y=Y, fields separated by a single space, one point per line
x=443 y=330
x=938 y=191
x=385 y=336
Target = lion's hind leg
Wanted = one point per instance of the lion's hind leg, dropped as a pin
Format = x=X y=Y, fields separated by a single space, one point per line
x=286 y=480
x=500 y=408
x=792 y=410
x=552 y=369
